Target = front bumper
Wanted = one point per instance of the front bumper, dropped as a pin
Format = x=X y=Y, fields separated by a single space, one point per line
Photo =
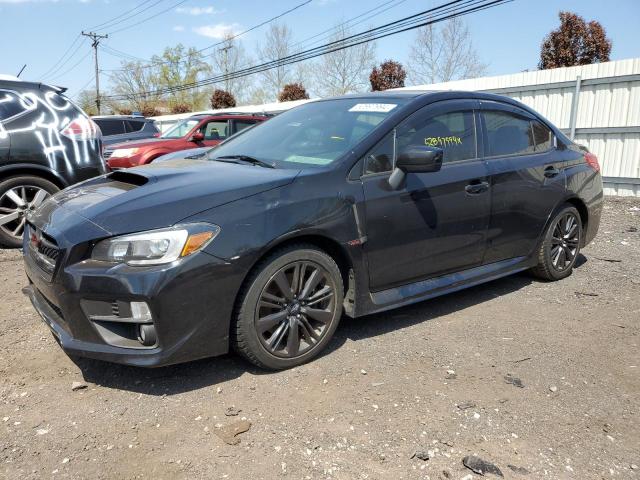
x=191 y=302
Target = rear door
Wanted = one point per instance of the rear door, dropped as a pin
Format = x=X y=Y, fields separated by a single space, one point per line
x=527 y=178
x=435 y=223
x=239 y=125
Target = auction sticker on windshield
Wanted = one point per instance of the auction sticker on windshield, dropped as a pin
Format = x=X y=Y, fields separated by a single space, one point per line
x=373 y=107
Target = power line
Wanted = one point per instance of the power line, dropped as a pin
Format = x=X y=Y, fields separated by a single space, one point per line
x=60 y=63
x=70 y=69
x=106 y=24
x=148 y=18
x=436 y=14
x=151 y=64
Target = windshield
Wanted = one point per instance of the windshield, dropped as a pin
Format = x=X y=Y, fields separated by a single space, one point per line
x=312 y=135
x=180 y=129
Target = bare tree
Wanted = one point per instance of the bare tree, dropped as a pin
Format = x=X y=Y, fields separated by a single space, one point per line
x=230 y=57
x=132 y=81
x=444 y=53
x=276 y=45
x=345 y=71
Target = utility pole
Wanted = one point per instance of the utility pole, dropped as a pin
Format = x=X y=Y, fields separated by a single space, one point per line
x=226 y=49
x=96 y=41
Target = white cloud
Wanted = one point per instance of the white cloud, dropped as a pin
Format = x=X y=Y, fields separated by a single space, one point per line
x=218 y=31
x=197 y=10
x=178 y=28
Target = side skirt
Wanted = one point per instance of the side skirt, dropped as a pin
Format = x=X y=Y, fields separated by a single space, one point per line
x=434 y=287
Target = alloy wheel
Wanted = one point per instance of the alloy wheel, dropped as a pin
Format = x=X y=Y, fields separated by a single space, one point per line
x=15 y=203
x=565 y=242
x=295 y=309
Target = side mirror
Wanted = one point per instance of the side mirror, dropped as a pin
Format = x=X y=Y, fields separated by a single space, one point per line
x=197 y=137
x=420 y=159
x=416 y=160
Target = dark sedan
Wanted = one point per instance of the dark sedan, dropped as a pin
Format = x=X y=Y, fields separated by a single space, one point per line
x=350 y=205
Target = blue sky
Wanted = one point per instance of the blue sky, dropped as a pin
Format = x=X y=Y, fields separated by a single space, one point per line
x=507 y=38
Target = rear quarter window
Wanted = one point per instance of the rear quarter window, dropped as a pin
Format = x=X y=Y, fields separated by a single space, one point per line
x=110 y=127
x=542 y=136
x=133 y=125
x=12 y=104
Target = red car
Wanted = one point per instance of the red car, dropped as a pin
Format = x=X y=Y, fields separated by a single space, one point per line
x=193 y=132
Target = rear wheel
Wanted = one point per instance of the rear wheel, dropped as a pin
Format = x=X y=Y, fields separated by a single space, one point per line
x=18 y=196
x=290 y=308
x=560 y=246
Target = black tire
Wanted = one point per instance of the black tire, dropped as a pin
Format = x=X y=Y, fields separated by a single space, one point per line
x=27 y=187
x=263 y=302
x=560 y=245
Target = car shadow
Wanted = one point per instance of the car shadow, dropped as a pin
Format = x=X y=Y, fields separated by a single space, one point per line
x=209 y=372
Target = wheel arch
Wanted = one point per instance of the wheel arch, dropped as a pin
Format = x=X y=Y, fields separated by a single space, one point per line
x=17 y=170
x=582 y=210
x=328 y=245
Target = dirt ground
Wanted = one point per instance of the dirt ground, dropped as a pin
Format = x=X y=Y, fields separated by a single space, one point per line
x=430 y=379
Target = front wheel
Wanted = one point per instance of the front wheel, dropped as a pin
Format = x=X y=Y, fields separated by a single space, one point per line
x=289 y=308
x=560 y=246
x=18 y=196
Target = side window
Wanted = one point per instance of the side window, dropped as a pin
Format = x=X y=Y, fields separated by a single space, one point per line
x=12 y=105
x=110 y=127
x=380 y=158
x=216 y=130
x=453 y=132
x=508 y=134
x=242 y=124
x=133 y=125
x=542 y=136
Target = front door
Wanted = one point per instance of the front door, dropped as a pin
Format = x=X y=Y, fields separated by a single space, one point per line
x=435 y=223
x=214 y=132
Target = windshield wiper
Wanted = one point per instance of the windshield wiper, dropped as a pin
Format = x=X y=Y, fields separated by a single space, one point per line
x=246 y=158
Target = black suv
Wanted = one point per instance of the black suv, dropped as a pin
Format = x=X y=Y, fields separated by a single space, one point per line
x=122 y=128
x=46 y=143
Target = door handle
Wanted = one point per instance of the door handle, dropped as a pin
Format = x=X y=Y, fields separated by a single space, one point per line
x=476 y=187
x=551 y=171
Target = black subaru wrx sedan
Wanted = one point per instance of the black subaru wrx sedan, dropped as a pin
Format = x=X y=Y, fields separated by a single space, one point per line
x=348 y=205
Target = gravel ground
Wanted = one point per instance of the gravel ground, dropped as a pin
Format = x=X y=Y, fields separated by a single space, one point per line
x=541 y=379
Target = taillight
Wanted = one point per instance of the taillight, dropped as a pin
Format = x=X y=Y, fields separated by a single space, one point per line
x=81 y=128
x=592 y=161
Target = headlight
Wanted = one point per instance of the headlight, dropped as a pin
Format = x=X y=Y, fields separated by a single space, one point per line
x=123 y=152
x=155 y=247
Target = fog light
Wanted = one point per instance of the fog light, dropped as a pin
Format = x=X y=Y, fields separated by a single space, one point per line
x=140 y=312
x=147 y=335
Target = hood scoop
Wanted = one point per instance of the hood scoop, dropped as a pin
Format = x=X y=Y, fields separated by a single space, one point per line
x=128 y=178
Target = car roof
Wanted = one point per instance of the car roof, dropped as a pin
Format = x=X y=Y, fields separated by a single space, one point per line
x=15 y=83
x=227 y=115
x=122 y=117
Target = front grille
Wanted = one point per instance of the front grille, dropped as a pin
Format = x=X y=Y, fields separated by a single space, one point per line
x=50 y=252
x=43 y=249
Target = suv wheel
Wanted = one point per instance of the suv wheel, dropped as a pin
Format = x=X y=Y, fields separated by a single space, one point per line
x=18 y=196
x=290 y=308
x=560 y=246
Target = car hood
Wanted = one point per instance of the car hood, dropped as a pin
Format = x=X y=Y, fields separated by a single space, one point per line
x=156 y=196
x=191 y=154
x=142 y=143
